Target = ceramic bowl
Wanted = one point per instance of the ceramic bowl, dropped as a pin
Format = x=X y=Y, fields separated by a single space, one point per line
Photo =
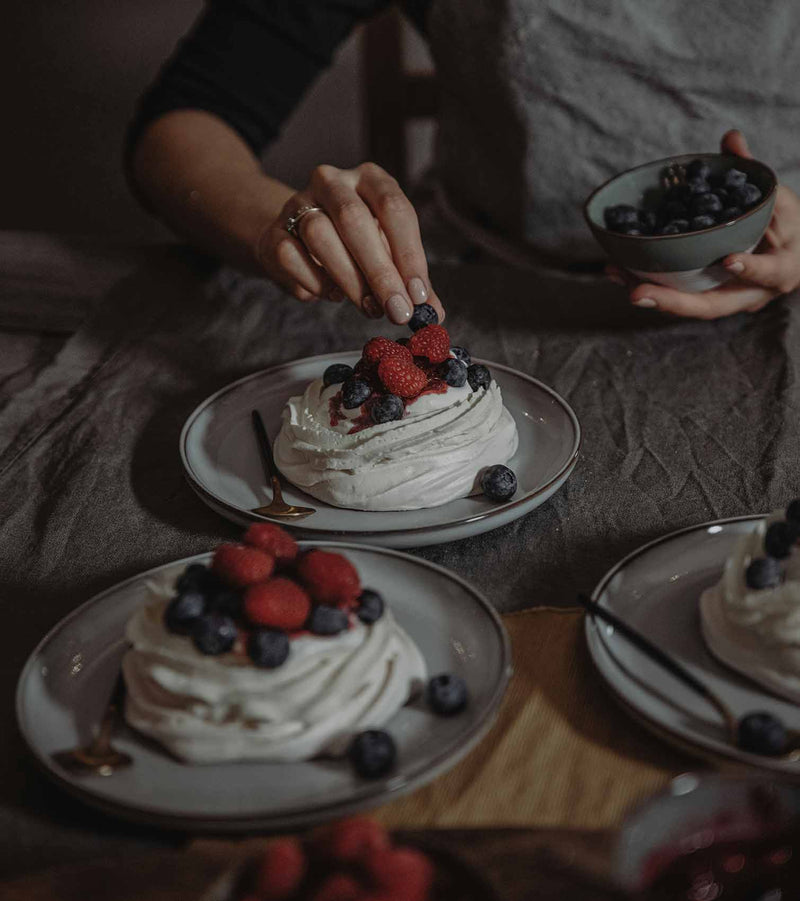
x=688 y=261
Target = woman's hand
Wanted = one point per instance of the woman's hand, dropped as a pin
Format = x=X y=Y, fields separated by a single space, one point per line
x=364 y=244
x=760 y=277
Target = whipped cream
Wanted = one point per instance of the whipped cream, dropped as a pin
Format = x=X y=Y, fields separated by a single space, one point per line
x=429 y=457
x=208 y=709
x=756 y=632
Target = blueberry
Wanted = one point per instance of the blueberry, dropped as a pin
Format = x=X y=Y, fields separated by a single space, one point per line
x=762 y=733
x=370 y=606
x=730 y=212
x=698 y=169
x=676 y=227
x=793 y=512
x=336 y=373
x=373 y=753
x=326 y=620
x=498 y=482
x=734 y=178
x=461 y=353
x=705 y=203
x=478 y=376
x=698 y=186
x=268 y=648
x=618 y=217
x=197 y=577
x=214 y=633
x=184 y=610
x=723 y=195
x=702 y=222
x=226 y=600
x=629 y=230
x=387 y=408
x=447 y=694
x=779 y=538
x=677 y=194
x=672 y=210
x=423 y=315
x=647 y=221
x=745 y=195
x=454 y=372
x=354 y=393
x=763 y=572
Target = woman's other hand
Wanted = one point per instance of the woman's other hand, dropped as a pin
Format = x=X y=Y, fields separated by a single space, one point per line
x=363 y=244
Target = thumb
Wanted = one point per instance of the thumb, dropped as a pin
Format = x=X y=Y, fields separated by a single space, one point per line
x=734 y=142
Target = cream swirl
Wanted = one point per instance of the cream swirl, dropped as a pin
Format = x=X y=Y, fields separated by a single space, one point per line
x=756 y=631
x=429 y=457
x=210 y=709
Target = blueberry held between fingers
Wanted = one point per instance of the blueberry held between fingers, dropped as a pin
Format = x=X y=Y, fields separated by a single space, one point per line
x=498 y=482
x=354 y=393
x=214 y=634
x=373 y=754
x=793 y=512
x=268 y=648
x=447 y=694
x=478 y=376
x=370 y=606
x=763 y=572
x=336 y=373
x=779 y=538
x=387 y=408
x=424 y=314
x=454 y=373
x=326 y=620
x=183 y=611
x=762 y=733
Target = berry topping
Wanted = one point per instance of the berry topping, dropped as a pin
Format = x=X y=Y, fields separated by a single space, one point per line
x=478 y=376
x=268 y=648
x=793 y=512
x=431 y=342
x=336 y=373
x=461 y=353
x=373 y=753
x=340 y=887
x=762 y=733
x=226 y=600
x=401 y=378
x=267 y=536
x=329 y=577
x=763 y=572
x=354 y=393
x=183 y=612
x=454 y=372
x=779 y=538
x=402 y=873
x=281 y=870
x=387 y=409
x=423 y=315
x=214 y=633
x=279 y=604
x=240 y=565
x=447 y=694
x=325 y=620
x=351 y=840
x=370 y=606
x=377 y=349
x=498 y=482
x=198 y=577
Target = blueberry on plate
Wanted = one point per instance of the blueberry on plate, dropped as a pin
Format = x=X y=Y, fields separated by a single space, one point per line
x=779 y=538
x=226 y=600
x=734 y=178
x=214 y=633
x=793 y=512
x=461 y=353
x=184 y=610
x=454 y=372
x=703 y=221
x=762 y=733
x=387 y=408
x=373 y=753
x=197 y=577
x=326 y=620
x=763 y=572
x=370 y=606
x=268 y=648
x=424 y=314
x=498 y=482
x=354 y=393
x=620 y=216
x=336 y=373
x=478 y=376
x=698 y=169
x=447 y=694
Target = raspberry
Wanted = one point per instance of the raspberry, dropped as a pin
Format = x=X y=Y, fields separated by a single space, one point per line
x=279 y=604
x=401 y=378
x=432 y=342
x=281 y=870
x=240 y=565
x=401 y=873
x=377 y=349
x=339 y=887
x=351 y=840
x=267 y=536
x=330 y=578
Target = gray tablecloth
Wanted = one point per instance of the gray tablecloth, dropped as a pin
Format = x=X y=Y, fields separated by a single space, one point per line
x=683 y=422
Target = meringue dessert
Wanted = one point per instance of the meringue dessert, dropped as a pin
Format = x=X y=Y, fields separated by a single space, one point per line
x=411 y=426
x=750 y=619
x=283 y=679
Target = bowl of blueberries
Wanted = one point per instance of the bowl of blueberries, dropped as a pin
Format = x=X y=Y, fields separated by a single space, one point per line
x=672 y=221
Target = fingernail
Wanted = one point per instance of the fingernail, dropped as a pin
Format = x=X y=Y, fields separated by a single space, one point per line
x=417 y=290
x=398 y=309
x=735 y=266
x=646 y=302
x=371 y=307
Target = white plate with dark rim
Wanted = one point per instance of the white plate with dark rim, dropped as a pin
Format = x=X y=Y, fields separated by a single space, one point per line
x=67 y=680
x=656 y=589
x=221 y=461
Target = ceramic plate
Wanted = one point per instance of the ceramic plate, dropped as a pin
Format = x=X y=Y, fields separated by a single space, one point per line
x=656 y=589
x=66 y=683
x=221 y=459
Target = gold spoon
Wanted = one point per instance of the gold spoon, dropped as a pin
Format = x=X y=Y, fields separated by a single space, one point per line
x=99 y=757
x=277 y=508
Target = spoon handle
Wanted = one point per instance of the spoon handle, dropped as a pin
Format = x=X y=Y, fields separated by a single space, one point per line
x=265 y=449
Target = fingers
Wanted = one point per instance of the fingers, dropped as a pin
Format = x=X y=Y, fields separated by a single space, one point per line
x=724 y=301
x=734 y=142
x=778 y=270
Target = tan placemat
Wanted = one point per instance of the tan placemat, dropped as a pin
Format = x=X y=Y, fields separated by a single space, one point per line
x=562 y=753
